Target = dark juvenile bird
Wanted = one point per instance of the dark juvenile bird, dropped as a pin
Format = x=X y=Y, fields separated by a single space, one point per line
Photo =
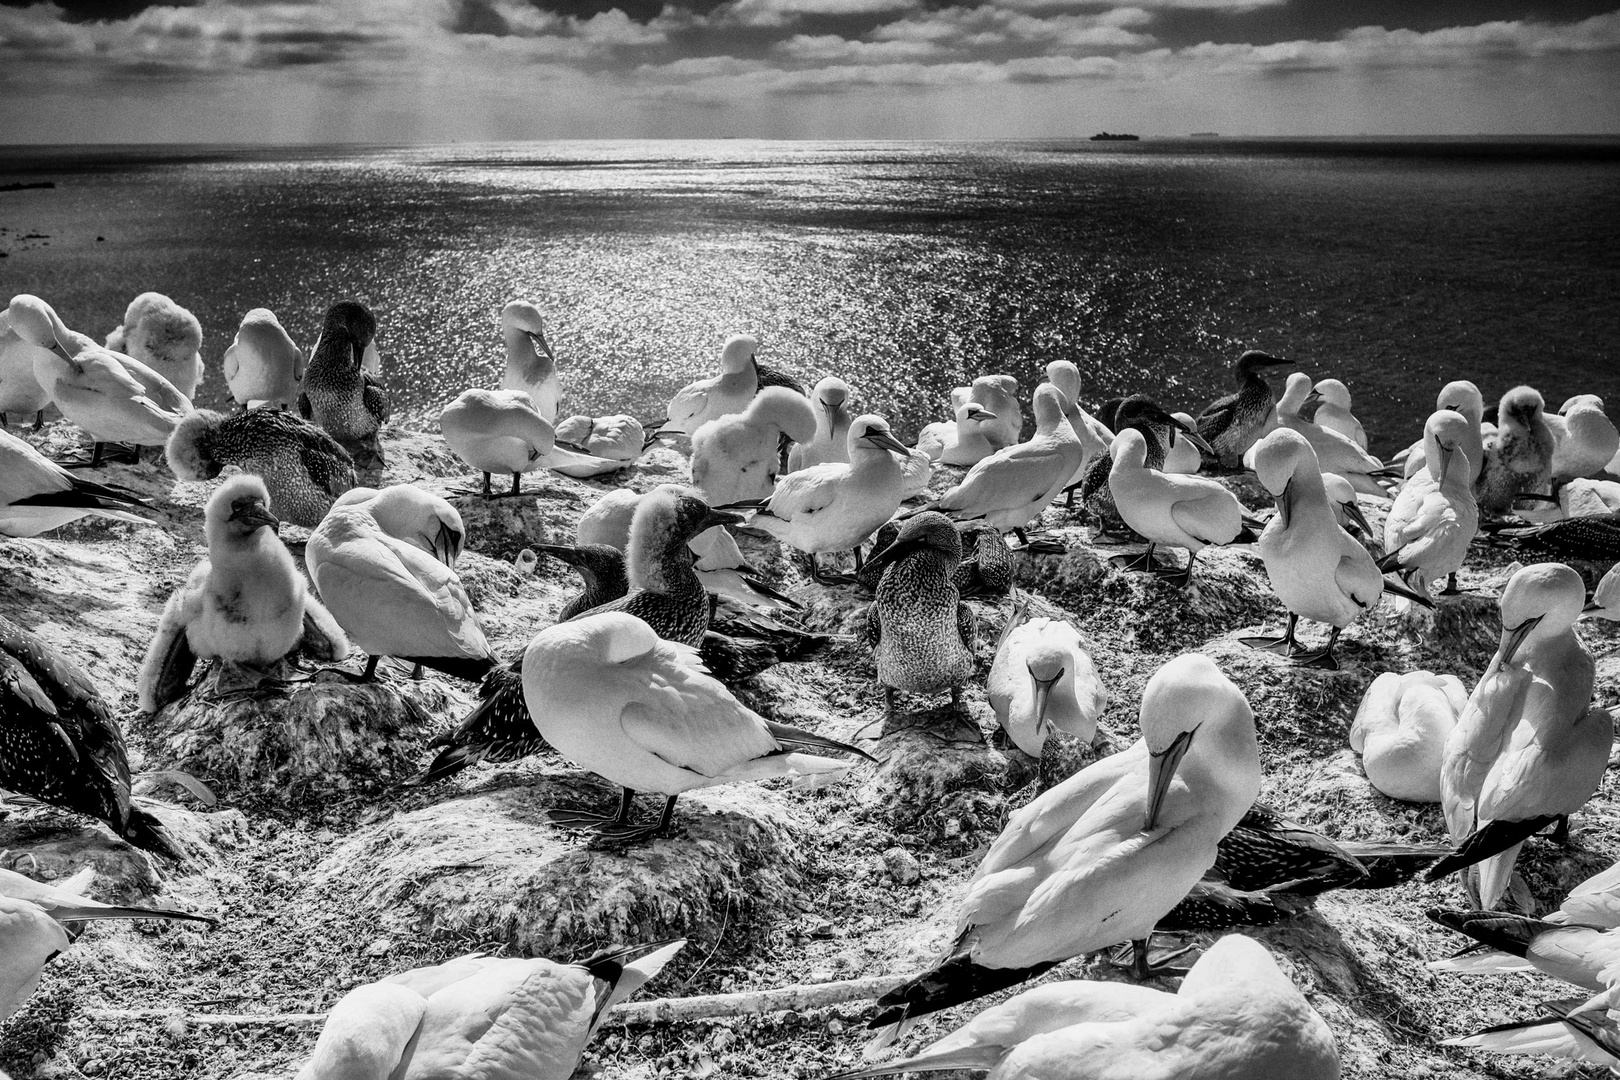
x=1159 y=429
x=602 y=568
x=920 y=632
x=1596 y=537
x=303 y=468
x=60 y=744
x=986 y=568
x=1231 y=424
x=338 y=394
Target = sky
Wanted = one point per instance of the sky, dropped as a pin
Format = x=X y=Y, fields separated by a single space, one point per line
x=408 y=71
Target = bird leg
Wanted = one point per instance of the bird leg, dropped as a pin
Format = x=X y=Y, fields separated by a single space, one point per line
x=1322 y=659
x=95 y=455
x=1560 y=832
x=590 y=819
x=1451 y=586
x=859 y=562
x=888 y=703
x=486 y=486
x=517 y=485
x=1142 y=563
x=956 y=697
x=1023 y=537
x=819 y=576
x=624 y=833
x=1284 y=646
x=416 y=673
x=1141 y=966
x=39 y=420
x=1169 y=573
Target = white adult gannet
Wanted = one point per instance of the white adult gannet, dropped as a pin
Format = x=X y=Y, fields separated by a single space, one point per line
x=245 y=606
x=393 y=598
x=37 y=494
x=1584 y=438
x=1235 y=1016
x=999 y=396
x=1011 y=487
x=21 y=397
x=1400 y=731
x=619 y=437
x=1100 y=858
x=1434 y=517
x=114 y=398
x=477 y=1016
x=1317 y=570
x=165 y=337
x=831 y=442
x=414 y=515
x=1518 y=455
x=963 y=441
x=1095 y=436
x=1043 y=678
x=1189 y=512
x=695 y=404
x=1335 y=453
x=1464 y=398
x=834 y=506
x=1530 y=747
x=497 y=431
x=531 y=366
x=1334 y=412
x=262 y=363
x=736 y=457
x=1347 y=512
x=614 y=698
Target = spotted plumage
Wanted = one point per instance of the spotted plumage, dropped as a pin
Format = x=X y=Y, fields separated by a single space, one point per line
x=59 y=742
x=1596 y=537
x=338 y=395
x=303 y=468
x=987 y=563
x=602 y=568
x=1231 y=424
x=920 y=632
x=770 y=376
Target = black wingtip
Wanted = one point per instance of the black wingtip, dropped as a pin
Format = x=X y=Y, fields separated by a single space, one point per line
x=1490 y=839
x=149 y=834
x=789 y=735
x=953 y=982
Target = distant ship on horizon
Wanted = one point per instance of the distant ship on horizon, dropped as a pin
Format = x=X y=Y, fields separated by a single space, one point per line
x=1205 y=135
x=1104 y=136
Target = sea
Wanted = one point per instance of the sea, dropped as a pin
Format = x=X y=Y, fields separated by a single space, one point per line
x=905 y=268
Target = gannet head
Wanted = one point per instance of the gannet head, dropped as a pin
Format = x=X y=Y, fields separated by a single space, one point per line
x=1129 y=450
x=1581 y=401
x=1275 y=460
x=188 y=449
x=1522 y=405
x=1335 y=393
x=611 y=637
x=238 y=509
x=523 y=317
x=1342 y=497
x=1606 y=598
x=1050 y=407
x=354 y=319
x=1047 y=662
x=158 y=328
x=419 y=517
x=1444 y=433
x=593 y=561
x=992 y=389
x=1190 y=699
x=929 y=529
x=1139 y=409
x=1462 y=397
x=1254 y=361
x=831 y=392
x=1065 y=375
x=1295 y=394
x=670 y=515
x=1540 y=602
x=738 y=353
x=785 y=410
x=37 y=323
x=872 y=431
x=971 y=412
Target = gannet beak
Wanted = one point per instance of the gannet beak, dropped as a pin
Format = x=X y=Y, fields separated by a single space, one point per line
x=1282 y=503
x=1311 y=398
x=1043 y=697
x=446 y=545
x=1357 y=518
x=1513 y=639
x=1197 y=440
x=720 y=517
x=1592 y=608
x=544 y=345
x=560 y=552
x=1161 y=771
x=257 y=516
x=889 y=554
x=984 y=414
x=888 y=442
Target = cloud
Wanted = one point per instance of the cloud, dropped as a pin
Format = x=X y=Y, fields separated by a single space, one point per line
x=775 y=13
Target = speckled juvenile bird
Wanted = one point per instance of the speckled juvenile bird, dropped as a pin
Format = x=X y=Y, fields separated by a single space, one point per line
x=986 y=568
x=602 y=568
x=1233 y=423
x=1159 y=429
x=60 y=744
x=304 y=469
x=338 y=394
x=920 y=632
x=1518 y=455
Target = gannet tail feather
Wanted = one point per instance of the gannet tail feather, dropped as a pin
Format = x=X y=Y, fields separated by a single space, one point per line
x=788 y=735
x=1499 y=930
x=955 y=980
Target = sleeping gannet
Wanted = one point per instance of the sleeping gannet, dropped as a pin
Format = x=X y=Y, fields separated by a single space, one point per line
x=1530 y=748
x=1233 y=423
x=165 y=337
x=736 y=457
x=338 y=393
x=998 y=394
x=262 y=363
x=695 y=404
x=531 y=366
x=480 y=1016
x=963 y=441
x=414 y=515
x=21 y=397
x=1043 y=678
x=245 y=605
x=1584 y=439
x=640 y=711
x=1434 y=517
x=1189 y=512
x=60 y=743
x=38 y=495
x=1100 y=858
x=1334 y=412
x=1518 y=455
x=831 y=442
x=303 y=468
x=1400 y=731
x=1335 y=453
x=618 y=437
x=497 y=431
x=920 y=633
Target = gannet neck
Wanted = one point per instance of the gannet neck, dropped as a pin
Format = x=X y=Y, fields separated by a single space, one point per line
x=1050 y=404
x=738 y=354
x=1294 y=395
x=1065 y=375
x=1130 y=451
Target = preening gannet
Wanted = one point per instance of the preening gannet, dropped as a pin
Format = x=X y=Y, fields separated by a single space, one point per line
x=22 y=398
x=414 y=515
x=730 y=391
x=262 y=363
x=497 y=431
x=617 y=438
x=1233 y=423
x=303 y=468
x=998 y=394
x=736 y=457
x=165 y=337
x=1434 y=517
x=1175 y=510
x=1584 y=438
x=37 y=494
x=1400 y=731
x=338 y=393
x=531 y=366
x=920 y=633
x=1043 y=678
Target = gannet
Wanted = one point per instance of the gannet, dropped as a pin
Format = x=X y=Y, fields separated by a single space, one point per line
x=1530 y=747
x=114 y=398
x=1094 y=435
x=1334 y=412
x=1233 y=423
x=303 y=468
x=831 y=442
x=1400 y=731
x=1043 y=678
x=1347 y=512
x=730 y=391
x=392 y=598
x=1100 y=858
x=723 y=570
x=1011 y=487
x=487 y=1017
x=60 y=743
x=736 y=457
x=1335 y=453
x=531 y=366
x=245 y=605
x=617 y=438
x=920 y=633
x=1235 y=1016
x=414 y=515
x=1464 y=398
x=1161 y=433
x=600 y=567
x=1584 y=438
x=963 y=441
x=165 y=337
x=1596 y=537
x=1189 y=512
x=338 y=393
x=21 y=396
x=497 y=431
x=1434 y=517
x=1518 y=456
x=38 y=495
x=999 y=396
x=640 y=711
x=262 y=363
x=834 y=506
